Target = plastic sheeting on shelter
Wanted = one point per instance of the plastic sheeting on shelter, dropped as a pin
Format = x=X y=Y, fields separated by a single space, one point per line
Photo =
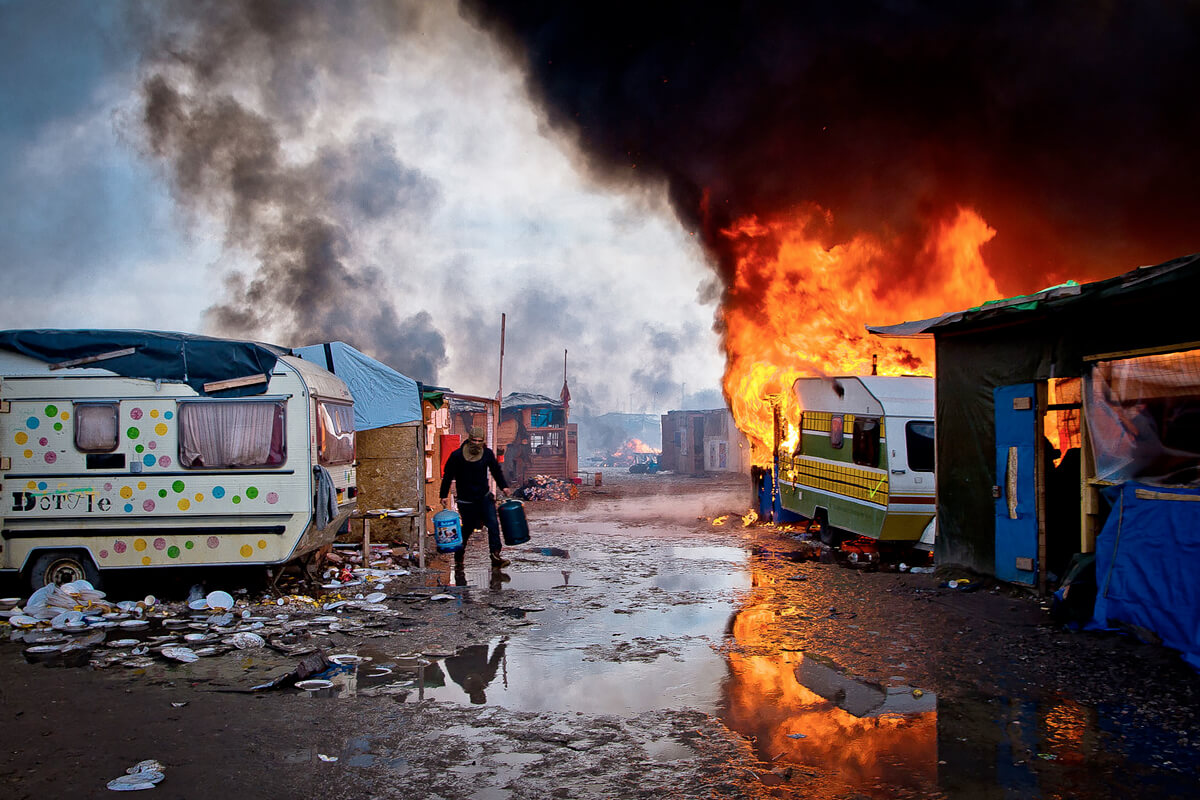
x=153 y=355
x=1146 y=559
x=1144 y=418
x=382 y=396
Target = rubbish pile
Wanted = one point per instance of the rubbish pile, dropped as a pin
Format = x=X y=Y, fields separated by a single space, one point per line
x=76 y=625
x=544 y=487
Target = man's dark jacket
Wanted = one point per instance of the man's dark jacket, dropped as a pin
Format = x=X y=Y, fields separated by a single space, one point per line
x=471 y=476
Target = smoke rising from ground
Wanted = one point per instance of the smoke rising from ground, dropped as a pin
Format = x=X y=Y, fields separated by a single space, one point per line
x=241 y=101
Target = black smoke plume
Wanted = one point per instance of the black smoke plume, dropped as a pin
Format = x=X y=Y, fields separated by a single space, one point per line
x=230 y=88
x=1070 y=127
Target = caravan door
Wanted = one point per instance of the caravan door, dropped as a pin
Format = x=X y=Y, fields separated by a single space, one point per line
x=1016 y=505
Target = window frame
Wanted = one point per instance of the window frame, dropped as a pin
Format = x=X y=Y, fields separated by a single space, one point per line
x=348 y=406
x=278 y=427
x=865 y=441
x=839 y=441
x=908 y=448
x=116 y=412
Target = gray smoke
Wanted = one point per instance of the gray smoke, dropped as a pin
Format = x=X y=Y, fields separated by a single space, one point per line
x=231 y=90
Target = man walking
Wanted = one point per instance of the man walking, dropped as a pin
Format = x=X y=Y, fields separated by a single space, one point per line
x=468 y=467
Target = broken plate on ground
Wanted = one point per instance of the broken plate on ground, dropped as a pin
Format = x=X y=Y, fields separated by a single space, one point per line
x=220 y=601
x=122 y=643
x=198 y=605
x=376 y=597
x=246 y=641
x=184 y=655
x=346 y=659
x=314 y=684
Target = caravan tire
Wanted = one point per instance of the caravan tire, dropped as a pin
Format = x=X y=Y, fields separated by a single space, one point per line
x=828 y=535
x=62 y=566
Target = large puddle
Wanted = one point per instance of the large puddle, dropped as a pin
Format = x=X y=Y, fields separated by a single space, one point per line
x=807 y=718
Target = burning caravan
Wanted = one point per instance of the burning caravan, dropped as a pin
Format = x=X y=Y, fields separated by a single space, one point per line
x=135 y=449
x=863 y=462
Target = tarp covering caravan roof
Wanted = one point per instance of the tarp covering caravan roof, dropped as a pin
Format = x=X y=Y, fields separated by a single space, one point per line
x=382 y=396
x=1146 y=559
x=155 y=355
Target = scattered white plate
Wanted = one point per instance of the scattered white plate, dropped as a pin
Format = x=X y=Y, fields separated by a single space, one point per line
x=346 y=659
x=314 y=684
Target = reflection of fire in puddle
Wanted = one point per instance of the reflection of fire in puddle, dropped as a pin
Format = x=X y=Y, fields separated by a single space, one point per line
x=804 y=712
x=860 y=734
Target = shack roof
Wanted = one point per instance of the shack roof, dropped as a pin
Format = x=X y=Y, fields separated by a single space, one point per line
x=152 y=355
x=1014 y=310
x=526 y=399
x=382 y=396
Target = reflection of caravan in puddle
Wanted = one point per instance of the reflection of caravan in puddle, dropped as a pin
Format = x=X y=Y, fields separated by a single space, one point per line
x=863 y=463
x=136 y=449
x=859 y=698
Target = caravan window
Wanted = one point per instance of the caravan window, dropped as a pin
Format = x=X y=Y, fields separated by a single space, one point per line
x=918 y=438
x=232 y=434
x=96 y=427
x=335 y=433
x=866 y=441
x=836 y=426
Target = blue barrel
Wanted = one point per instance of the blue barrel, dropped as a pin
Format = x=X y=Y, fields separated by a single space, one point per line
x=513 y=525
x=447 y=531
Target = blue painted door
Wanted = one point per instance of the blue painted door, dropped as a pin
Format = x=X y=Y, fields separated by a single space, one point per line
x=1016 y=508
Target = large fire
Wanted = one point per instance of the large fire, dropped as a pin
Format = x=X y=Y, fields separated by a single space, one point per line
x=797 y=307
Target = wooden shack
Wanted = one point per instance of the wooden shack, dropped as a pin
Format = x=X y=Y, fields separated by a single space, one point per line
x=535 y=437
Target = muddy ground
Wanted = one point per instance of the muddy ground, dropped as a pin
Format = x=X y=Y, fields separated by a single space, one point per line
x=634 y=648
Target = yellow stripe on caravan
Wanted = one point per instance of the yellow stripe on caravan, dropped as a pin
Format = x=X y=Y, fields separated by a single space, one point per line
x=871 y=486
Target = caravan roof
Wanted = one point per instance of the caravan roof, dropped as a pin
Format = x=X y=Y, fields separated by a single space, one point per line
x=905 y=396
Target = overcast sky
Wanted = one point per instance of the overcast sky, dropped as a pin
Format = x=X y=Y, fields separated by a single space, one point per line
x=445 y=193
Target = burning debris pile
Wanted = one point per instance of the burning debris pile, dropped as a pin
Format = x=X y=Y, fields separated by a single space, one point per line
x=626 y=455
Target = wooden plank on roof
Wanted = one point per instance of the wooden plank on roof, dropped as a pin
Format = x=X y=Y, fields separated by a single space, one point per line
x=76 y=362
x=234 y=383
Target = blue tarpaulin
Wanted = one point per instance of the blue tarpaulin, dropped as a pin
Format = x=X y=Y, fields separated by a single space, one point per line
x=1147 y=559
x=153 y=355
x=382 y=396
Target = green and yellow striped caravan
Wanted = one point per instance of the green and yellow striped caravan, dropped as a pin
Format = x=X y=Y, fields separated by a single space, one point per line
x=863 y=462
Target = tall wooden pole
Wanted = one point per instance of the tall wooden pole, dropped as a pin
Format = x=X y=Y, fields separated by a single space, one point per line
x=566 y=429
x=500 y=380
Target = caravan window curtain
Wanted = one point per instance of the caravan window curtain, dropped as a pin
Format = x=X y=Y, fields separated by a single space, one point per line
x=231 y=434
x=335 y=433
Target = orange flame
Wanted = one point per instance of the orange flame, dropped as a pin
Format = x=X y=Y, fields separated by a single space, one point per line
x=797 y=307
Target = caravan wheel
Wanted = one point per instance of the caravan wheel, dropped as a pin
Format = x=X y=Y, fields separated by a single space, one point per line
x=62 y=566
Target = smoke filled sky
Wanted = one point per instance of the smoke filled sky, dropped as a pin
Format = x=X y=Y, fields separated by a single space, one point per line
x=396 y=174
x=283 y=172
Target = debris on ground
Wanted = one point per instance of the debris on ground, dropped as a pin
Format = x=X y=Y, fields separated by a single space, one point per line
x=544 y=487
x=143 y=775
x=75 y=624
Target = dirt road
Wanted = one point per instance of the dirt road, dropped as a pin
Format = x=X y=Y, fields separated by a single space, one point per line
x=635 y=649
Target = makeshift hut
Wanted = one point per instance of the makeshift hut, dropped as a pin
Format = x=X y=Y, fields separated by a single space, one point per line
x=696 y=442
x=390 y=439
x=1044 y=402
x=448 y=418
x=536 y=438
